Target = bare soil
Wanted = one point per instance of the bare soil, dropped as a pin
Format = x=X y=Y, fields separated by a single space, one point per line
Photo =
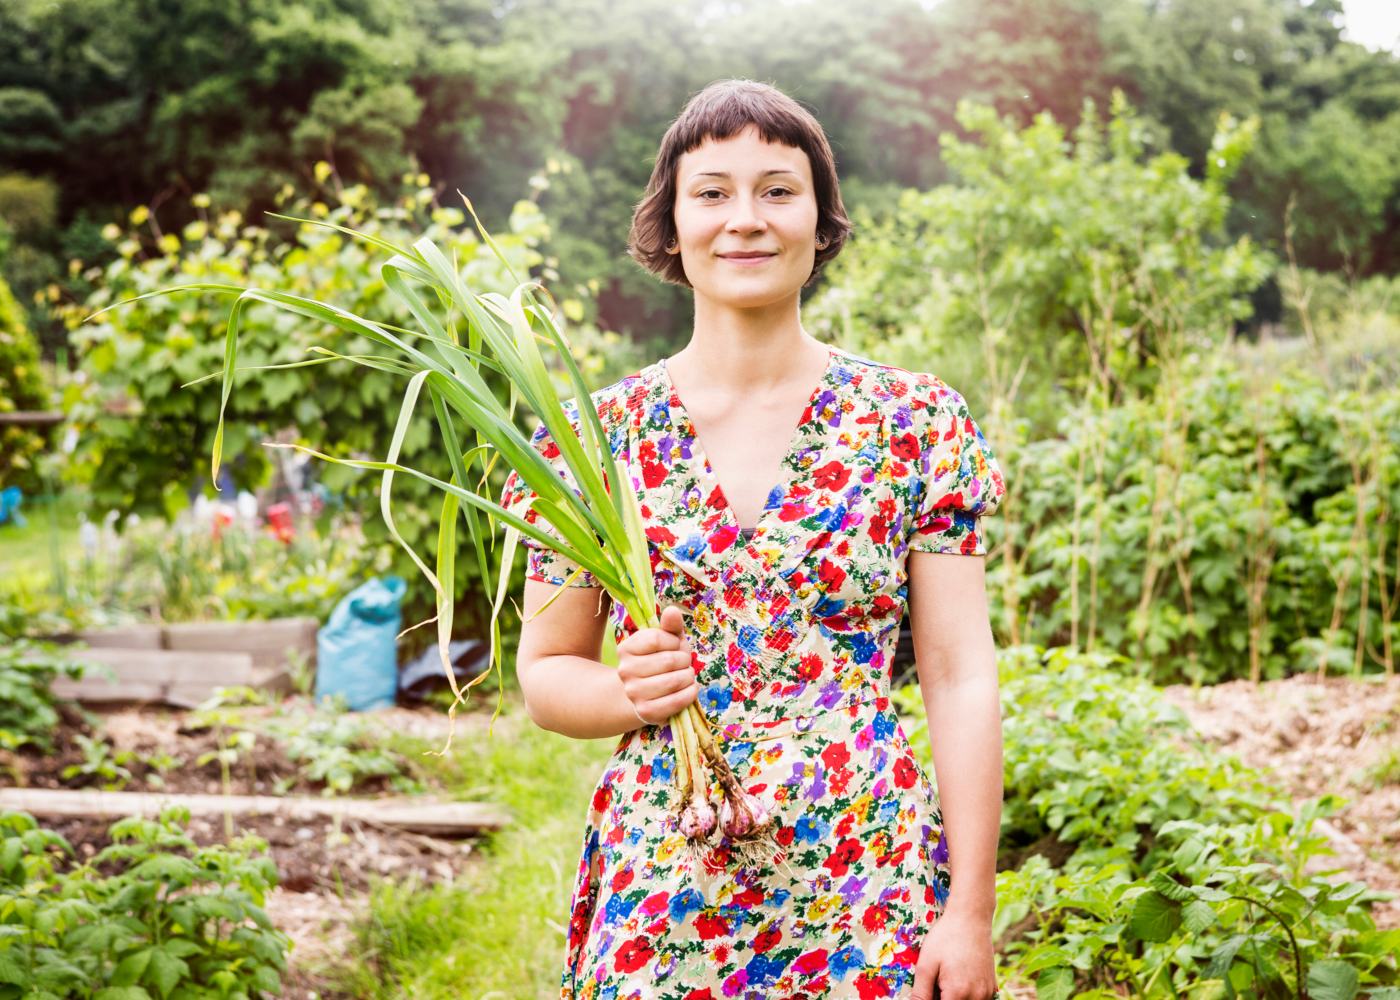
x=1313 y=737
x=326 y=868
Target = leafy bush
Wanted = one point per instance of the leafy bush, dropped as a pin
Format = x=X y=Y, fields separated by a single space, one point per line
x=1246 y=523
x=1136 y=857
x=137 y=358
x=151 y=917
x=330 y=747
x=28 y=709
x=188 y=571
x=1056 y=263
x=22 y=387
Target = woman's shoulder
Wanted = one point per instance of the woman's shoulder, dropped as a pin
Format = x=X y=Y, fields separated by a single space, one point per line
x=898 y=392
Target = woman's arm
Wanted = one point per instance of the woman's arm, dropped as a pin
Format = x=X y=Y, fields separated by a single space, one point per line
x=567 y=689
x=956 y=659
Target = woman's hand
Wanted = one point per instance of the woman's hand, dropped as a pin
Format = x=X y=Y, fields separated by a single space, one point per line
x=654 y=667
x=955 y=959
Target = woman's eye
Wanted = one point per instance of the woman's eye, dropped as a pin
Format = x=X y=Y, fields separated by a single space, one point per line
x=709 y=191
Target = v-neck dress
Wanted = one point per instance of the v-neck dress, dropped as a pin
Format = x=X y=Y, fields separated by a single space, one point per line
x=793 y=631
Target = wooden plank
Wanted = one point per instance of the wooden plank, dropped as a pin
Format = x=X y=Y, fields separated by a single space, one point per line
x=266 y=641
x=440 y=818
x=123 y=637
x=183 y=679
x=32 y=418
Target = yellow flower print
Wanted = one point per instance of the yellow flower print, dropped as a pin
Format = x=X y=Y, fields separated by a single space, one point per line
x=822 y=905
x=668 y=847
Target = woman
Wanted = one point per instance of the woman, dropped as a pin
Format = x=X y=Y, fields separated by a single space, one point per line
x=783 y=591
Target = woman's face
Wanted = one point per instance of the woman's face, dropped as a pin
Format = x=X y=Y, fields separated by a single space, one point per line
x=744 y=195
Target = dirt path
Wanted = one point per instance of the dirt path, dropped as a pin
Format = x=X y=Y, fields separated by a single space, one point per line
x=1316 y=737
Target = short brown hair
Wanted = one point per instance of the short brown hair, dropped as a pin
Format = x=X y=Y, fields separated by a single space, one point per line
x=721 y=110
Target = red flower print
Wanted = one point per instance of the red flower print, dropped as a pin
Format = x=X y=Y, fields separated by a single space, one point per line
x=879 y=530
x=748 y=899
x=715 y=501
x=643 y=774
x=811 y=963
x=874 y=918
x=846 y=853
x=653 y=474
x=905 y=446
x=661 y=535
x=969 y=544
x=578 y=924
x=785 y=834
x=809 y=668
x=710 y=926
x=836 y=756
x=831 y=476
x=830 y=574
x=735 y=597
x=602 y=797
x=793 y=511
x=843 y=828
x=904 y=774
x=870 y=985
x=895 y=857
x=705 y=994
x=622 y=879
x=766 y=939
x=633 y=955
x=839 y=780
x=655 y=903
x=723 y=537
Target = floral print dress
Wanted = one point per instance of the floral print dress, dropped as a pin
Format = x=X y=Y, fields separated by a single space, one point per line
x=792 y=629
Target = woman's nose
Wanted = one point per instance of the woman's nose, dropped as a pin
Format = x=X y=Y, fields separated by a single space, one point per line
x=744 y=218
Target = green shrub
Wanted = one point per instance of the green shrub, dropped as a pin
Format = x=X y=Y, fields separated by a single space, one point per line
x=22 y=387
x=153 y=916
x=137 y=358
x=1134 y=856
x=28 y=709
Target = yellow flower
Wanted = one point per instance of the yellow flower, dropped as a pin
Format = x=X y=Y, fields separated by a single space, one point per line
x=139 y=215
x=821 y=906
x=668 y=847
x=860 y=808
x=200 y=201
x=111 y=232
x=322 y=171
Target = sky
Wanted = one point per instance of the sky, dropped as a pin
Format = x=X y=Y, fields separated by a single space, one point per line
x=1373 y=23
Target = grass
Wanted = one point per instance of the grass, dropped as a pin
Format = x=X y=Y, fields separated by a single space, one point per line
x=500 y=931
x=27 y=549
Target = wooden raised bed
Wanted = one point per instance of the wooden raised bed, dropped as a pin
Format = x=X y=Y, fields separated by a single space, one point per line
x=184 y=663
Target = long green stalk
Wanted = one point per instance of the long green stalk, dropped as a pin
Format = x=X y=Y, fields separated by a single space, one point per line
x=597 y=525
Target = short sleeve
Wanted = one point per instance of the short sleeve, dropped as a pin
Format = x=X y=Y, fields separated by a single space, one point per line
x=958 y=480
x=541 y=562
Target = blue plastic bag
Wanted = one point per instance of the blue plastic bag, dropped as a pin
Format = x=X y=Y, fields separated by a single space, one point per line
x=356 y=652
x=10 y=499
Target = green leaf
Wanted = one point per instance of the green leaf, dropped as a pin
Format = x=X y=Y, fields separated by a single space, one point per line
x=166 y=971
x=1055 y=984
x=131 y=968
x=1332 y=979
x=1154 y=917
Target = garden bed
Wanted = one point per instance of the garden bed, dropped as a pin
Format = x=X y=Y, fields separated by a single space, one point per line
x=1338 y=735
x=326 y=866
